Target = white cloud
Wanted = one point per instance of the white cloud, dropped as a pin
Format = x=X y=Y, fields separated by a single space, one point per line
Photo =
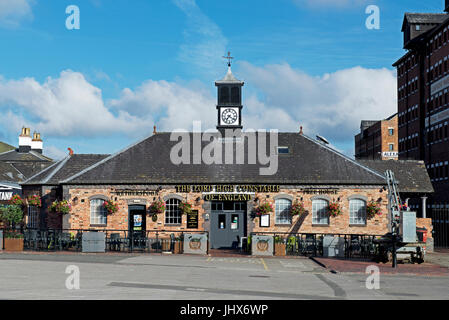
x=13 y=12
x=176 y=105
x=204 y=43
x=332 y=105
x=281 y=98
x=65 y=106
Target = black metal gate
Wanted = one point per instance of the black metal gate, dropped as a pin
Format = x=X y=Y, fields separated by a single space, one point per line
x=440 y=221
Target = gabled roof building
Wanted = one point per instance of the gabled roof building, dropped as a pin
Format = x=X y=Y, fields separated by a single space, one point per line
x=18 y=164
x=225 y=176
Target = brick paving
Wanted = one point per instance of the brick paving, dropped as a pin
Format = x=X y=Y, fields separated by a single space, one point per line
x=352 y=266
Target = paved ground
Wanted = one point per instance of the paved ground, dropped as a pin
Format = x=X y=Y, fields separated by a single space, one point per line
x=440 y=257
x=42 y=276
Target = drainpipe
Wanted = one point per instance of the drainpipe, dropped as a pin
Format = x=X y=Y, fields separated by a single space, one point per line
x=424 y=209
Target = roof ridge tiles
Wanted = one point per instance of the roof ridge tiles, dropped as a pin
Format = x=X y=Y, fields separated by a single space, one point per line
x=43 y=171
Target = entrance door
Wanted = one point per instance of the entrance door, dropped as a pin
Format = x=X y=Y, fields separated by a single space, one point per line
x=137 y=225
x=227 y=228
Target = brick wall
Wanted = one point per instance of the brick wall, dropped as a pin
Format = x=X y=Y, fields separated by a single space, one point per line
x=48 y=194
x=80 y=214
x=425 y=223
x=337 y=225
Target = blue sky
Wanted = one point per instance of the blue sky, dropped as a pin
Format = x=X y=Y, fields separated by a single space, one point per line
x=143 y=62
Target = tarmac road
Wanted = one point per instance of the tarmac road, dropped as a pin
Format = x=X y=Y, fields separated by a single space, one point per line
x=43 y=276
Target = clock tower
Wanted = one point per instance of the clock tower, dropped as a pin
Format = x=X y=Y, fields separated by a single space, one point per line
x=229 y=106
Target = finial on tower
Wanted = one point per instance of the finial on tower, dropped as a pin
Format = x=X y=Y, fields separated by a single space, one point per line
x=229 y=58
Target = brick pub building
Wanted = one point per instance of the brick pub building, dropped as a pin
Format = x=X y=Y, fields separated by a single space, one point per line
x=423 y=105
x=223 y=196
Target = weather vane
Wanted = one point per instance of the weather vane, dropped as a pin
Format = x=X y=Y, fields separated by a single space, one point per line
x=229 y=58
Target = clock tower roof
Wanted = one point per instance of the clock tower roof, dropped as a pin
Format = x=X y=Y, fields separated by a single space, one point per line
x=229 y=79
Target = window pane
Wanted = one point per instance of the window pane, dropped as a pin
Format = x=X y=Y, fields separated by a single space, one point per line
x=319 y=212
x=98 y=213
x=282 y=210
x=172 y=212
x=357 y=212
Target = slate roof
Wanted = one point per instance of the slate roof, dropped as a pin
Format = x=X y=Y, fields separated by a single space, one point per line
x=148 y=162
x=8 y=173
x=229 y=78
x=420 y=18
x=15 y=156
x=64 y=168
x=411 y=175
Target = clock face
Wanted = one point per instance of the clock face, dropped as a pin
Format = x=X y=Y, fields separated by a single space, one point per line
x=229 y=116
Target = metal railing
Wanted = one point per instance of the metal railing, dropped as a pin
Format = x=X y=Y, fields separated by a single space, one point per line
x=440 y=222
x=347 y=246
x=151 y=241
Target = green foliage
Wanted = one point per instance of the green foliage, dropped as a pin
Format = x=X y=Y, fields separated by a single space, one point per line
x=278 y=239
x=13 y=235
x=11 y=214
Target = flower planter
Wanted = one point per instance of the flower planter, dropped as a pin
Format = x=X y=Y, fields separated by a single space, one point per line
x=179 y=245
x=280 y=249
x=13 y=244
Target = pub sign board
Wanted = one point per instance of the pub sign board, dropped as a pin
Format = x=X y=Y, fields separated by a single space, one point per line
x=192 y=220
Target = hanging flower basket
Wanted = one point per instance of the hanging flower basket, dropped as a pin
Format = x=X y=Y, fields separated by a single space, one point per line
x=297 y=209
x=16 y=200
x=263 y=209
x=62 y=207
x=35 y=201
x=373 y=209
x=157 y=207
x=334 y=209
x=110 y=206
x=185 y=207
x=403 y=207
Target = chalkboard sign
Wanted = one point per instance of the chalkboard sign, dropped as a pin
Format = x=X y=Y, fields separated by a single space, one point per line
x=192 y=220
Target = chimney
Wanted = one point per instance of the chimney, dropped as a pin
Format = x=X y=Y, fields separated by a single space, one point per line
x=300 y=130
x=25 y=140
x=154 y=130
x=37 y=144
x=70 y=151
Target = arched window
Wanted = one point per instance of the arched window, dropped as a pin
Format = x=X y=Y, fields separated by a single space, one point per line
x=235 y=95
x=320 y=214
x=98 y=214
x=282 y=211
x=224 y=95
x=172 y=212
x=357 y=211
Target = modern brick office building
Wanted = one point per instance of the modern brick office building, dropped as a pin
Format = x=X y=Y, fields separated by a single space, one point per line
x=377 y=140
x=423 y=97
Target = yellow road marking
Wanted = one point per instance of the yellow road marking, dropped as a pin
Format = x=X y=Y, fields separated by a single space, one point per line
x=264 y=264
